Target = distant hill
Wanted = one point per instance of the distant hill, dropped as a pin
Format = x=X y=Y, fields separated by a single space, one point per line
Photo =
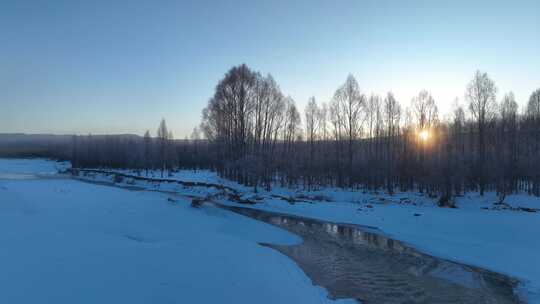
x=53 y=146
x=43 y=145
x=20 y=138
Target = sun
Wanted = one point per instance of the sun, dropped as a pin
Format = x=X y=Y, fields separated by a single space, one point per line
x=424 y=135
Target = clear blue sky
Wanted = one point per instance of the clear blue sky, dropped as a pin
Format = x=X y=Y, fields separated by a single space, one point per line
x=120 y=66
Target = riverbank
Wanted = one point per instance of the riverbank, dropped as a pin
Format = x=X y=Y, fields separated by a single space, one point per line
x=478 y=232
x=65 y=241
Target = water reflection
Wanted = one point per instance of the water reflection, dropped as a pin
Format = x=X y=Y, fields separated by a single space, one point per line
x=353 y=262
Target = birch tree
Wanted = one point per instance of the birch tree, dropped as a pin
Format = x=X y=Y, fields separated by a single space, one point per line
x=481 y=95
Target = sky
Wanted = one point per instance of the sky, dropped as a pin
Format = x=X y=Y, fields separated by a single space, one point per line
x=121 y=66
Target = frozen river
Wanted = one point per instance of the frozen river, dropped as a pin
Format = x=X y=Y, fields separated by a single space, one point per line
x=87 y=239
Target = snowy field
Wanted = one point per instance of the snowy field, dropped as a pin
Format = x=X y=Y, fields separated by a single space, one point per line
x=31 y=166
x=476 y=233
x=501 y=240
x=65 y=241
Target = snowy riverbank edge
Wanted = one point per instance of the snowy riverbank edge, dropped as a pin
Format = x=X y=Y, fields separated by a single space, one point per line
x=478 y=232
x=75 y=242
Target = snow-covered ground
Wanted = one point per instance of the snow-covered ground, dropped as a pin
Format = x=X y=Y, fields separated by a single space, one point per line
x=64 y=241
x=31 y=166
x=504 y=240
x=501 y=240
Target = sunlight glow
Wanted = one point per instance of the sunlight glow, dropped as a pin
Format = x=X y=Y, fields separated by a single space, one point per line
x=424 y=135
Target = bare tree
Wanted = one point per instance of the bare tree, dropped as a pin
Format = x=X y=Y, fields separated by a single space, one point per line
x=163 y=139
x=457 y=142
x=291 y=132
x=312 y=114
x=170 y=153
x=374 y=124
x=533 y=126
x=426 y=114
x=147 y=140
x=253 y=134
x=506 y=146
x=348 y=103
x=425 y=110
x=226 y=119
x=481 y=95
x=392 y=113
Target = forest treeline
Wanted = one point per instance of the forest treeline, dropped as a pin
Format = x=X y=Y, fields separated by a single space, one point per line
x=253 y=133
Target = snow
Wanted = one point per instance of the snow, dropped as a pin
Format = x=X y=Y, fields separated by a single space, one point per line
x=203 y=176
x=64 y=241
x=31 y=166
x=501 y=240
x=504 y=241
